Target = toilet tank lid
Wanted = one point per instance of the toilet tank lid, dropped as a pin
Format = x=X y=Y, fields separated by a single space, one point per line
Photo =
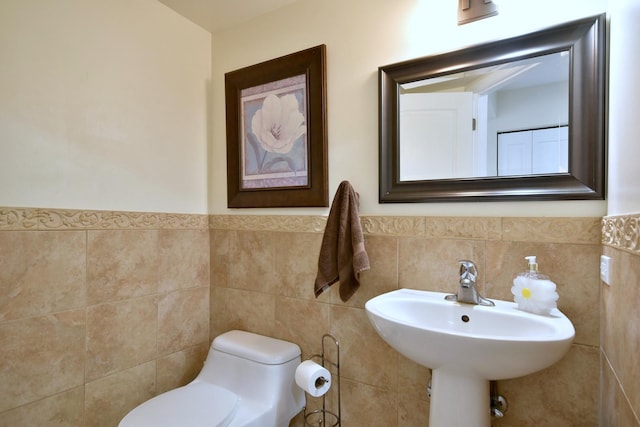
x=261 y=349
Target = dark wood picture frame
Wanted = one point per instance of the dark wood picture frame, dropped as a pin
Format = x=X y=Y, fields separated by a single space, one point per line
x=300 y=76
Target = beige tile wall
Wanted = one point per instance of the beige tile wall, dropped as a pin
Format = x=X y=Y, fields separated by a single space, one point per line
x=102 y=310
x=99 y=311
x=263 y=270
x=620 y=324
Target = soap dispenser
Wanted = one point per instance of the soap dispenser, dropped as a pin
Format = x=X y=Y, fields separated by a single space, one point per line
x=534 y=291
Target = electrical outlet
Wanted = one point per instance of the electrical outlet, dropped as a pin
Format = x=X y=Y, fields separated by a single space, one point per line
x=605 y=269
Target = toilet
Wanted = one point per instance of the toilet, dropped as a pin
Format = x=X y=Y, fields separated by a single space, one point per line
x=246 y=381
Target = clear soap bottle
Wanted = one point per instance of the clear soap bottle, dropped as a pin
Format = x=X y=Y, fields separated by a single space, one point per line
x=534 y=291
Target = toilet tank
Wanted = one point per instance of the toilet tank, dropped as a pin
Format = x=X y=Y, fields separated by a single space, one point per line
x=257 y=368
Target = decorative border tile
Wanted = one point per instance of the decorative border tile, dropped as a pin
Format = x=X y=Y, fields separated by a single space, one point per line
x=298 y=223
x=373 y=225
x=18 y=219
x=615 y=231
x=622 y=232
x=485 y=228
x=393 y=225
x=63 y=219
x=552 y=230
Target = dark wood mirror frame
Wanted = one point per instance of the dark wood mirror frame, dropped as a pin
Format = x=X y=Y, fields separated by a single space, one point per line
x=585 y=41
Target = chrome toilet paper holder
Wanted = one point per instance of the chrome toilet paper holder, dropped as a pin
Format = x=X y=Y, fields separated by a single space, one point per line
x=318 y=417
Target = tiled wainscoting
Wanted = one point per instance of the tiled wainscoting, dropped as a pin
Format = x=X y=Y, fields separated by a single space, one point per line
x=102 y=310
x=99 y=311
x=262 y=274
x=620 y=324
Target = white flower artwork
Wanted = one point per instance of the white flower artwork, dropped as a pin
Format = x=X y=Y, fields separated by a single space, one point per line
x=278 y=124
x=275 y=147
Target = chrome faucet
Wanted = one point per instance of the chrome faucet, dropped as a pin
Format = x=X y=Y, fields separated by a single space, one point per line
x=468 y=287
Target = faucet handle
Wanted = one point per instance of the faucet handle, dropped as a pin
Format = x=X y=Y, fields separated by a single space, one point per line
x=468 y=271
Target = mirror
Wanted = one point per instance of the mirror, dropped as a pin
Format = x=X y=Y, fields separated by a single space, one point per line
x=502 y=120
x=517 y=119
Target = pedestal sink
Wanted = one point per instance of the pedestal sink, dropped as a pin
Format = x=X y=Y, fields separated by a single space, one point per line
x=466 y=346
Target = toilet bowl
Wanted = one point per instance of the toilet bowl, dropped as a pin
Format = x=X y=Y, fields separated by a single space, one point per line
x=247 y=381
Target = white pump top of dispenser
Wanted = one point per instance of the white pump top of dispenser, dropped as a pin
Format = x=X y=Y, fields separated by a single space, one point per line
x=533 y=265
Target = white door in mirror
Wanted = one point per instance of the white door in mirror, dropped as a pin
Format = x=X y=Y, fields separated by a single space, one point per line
x=442 y=117
x=536 y=151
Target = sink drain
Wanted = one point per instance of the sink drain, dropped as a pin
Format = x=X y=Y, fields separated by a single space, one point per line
x=465 y=318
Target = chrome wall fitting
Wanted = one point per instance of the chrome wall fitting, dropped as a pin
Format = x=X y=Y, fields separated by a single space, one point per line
x=499 y=404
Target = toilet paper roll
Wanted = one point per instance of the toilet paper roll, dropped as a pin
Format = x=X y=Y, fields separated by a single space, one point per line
x=313 y=378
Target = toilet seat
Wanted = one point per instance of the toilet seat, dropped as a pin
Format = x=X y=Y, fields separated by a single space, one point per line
x=198 y=404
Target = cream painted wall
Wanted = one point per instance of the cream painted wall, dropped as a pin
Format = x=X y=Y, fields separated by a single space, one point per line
x=103 y=105
x=362 y=35
x=624 y=96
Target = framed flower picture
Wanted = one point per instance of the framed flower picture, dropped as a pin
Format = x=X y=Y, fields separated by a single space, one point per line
x=276 y=132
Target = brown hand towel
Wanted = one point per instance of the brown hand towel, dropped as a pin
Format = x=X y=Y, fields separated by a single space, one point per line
x=342 y=255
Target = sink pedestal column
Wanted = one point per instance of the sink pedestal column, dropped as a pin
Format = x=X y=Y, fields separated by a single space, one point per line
x=459 y=399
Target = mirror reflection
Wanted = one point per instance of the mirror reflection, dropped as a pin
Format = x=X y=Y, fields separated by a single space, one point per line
x=509 y=119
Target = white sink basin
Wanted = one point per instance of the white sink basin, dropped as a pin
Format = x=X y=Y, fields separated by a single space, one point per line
x=492 y=342
x=467 y=345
